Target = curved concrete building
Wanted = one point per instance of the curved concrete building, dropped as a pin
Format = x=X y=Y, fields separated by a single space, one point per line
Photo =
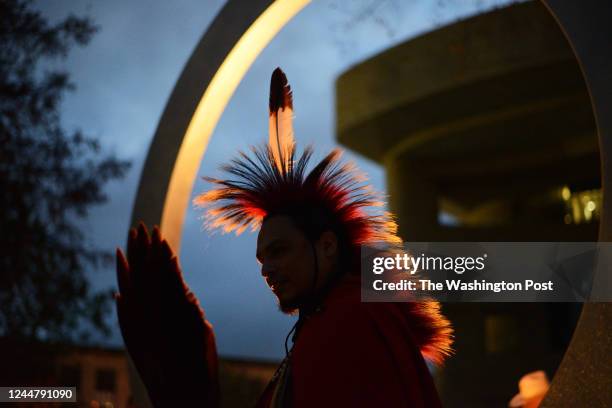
x=483 y=119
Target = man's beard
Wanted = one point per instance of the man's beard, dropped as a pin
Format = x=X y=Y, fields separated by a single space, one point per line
x=292 y=306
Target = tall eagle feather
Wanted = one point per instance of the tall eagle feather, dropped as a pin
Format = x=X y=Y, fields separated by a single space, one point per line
x=281 y=138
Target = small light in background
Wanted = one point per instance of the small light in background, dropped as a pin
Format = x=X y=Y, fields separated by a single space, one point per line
x=566 y=193
x=581 y=206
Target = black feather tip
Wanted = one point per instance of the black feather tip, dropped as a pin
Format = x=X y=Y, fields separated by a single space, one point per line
x=280 y=91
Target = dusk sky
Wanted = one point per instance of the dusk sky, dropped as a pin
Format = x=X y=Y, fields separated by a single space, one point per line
x=125 y=76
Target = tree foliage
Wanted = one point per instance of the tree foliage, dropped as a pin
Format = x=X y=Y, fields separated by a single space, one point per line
x=49 y=179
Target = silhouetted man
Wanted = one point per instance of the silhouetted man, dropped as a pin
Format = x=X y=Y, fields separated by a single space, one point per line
x=311 y=225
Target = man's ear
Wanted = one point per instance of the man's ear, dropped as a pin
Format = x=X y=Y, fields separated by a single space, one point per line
x=328 y=242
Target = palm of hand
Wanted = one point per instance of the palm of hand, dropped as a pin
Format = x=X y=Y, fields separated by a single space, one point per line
x=163 y=325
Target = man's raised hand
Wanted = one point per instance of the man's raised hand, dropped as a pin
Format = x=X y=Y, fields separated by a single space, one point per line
x=163 y=326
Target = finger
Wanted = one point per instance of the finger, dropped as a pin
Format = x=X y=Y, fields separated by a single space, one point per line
x=139 y=264
x=159 y=256
x=172 y=274
x=123 y=272
x=170 y=262
x=178 y=288
x=144 y=245
x=156 y=249
x=131 y=246
x=166 y=251
x=143 y=235
x=156 y=236
x=165 y=261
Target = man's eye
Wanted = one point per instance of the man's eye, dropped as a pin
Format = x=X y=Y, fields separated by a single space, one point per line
x=277 y=251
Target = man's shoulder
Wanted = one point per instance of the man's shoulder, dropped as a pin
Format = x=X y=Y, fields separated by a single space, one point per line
x=345 y=326
x=343 y=314
x=406 y=325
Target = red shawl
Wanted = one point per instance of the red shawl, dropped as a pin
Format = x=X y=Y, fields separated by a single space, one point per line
x=358 y=354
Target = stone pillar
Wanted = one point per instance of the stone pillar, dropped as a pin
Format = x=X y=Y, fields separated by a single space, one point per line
x=413 y=199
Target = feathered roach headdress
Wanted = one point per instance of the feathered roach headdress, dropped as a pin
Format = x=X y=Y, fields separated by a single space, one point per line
x=271 y=180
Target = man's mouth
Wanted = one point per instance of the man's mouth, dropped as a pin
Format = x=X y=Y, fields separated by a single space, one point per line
x=275 y=285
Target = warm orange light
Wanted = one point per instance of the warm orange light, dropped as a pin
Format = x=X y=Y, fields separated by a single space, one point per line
x=211 y=107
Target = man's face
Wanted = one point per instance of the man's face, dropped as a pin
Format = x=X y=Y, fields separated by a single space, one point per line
x=287 y=261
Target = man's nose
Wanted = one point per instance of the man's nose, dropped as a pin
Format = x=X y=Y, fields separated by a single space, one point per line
x=266 y=269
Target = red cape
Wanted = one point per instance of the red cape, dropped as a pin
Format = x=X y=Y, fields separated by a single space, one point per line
x=358 y=354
